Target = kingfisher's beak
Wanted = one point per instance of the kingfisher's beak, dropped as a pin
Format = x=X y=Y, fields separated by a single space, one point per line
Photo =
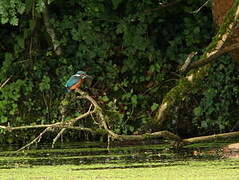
x=85 y=76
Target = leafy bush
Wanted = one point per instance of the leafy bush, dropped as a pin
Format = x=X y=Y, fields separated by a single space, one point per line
x=132 y=48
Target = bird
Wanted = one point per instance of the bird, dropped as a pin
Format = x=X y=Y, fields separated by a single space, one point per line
x=76 y=81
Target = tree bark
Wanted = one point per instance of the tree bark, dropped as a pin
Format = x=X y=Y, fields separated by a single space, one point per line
x=210 y=59
x=50 y=30
x=211 y=137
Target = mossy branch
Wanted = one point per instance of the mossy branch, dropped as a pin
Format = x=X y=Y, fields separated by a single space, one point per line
x=210 y=59
x=211 y=137
x=195 y=77
x=103 y=127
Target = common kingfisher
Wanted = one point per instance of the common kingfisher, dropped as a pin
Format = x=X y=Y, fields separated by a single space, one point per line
x=77 y=80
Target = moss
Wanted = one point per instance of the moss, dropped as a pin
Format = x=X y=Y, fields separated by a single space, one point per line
x=184 y=169
x=146 y=162
x=229 y=18
x=146 y=136
x=178 y=92
x=99 y=131
x=185 y=86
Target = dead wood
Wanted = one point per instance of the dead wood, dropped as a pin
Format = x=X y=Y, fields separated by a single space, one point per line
x=103 y=128
x=211 y=137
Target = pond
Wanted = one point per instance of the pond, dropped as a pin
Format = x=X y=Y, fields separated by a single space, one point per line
x=93 y=161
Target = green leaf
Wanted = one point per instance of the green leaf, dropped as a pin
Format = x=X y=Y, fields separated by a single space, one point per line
x=20 y=42
x=4 y=20
x=105 y=98
x=3 y=119
x=14 y=21
x=134 y=100
x=131 y=128
x=154 y=106
x=40 y=5
x=45 y=84
x=204 y=124
x=197 y=111
x=21 y=8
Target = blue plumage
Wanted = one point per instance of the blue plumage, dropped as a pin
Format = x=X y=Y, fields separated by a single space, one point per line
x=76 y=80
x=72 y=81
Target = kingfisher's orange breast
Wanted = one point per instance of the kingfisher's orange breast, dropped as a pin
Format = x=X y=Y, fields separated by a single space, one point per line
x=77 y=85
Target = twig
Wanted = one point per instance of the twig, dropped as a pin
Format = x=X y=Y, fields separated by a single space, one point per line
x=57 y=137
x=199 y=9
x=63 y=130
x=30 y=127
x=188 y=61
x=5 y=82
x=108 y=143
x=35 y=140
x=102 y=122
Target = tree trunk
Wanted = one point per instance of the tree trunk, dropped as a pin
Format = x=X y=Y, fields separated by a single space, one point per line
x=195 y=77
x=219 y=10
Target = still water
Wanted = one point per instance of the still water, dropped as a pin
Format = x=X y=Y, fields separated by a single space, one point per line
x=94 y=161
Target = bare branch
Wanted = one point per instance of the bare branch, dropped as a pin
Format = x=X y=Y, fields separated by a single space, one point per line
x=199 y=9
x=37 y=139
x=5 y=82
x=212 y=137
x=188 y=61
x=106 y=131
x=210 y=59
x=57 y=137
x=29 y=127
x=101 y=122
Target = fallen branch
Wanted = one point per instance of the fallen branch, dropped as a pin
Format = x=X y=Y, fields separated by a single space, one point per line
x=211 y=137
x=8 y=128
x=63 y=130
x=106 y=131
x=55 y=125
x=178 y=142
x=37 y=139
x=63 y=125
x=160 y=134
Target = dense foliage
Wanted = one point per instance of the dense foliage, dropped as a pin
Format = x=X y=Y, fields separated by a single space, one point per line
x=133 y=49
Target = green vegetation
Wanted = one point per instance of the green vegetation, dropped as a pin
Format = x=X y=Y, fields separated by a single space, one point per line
x=133 y=49
x=139 y=162
x=186 y=170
